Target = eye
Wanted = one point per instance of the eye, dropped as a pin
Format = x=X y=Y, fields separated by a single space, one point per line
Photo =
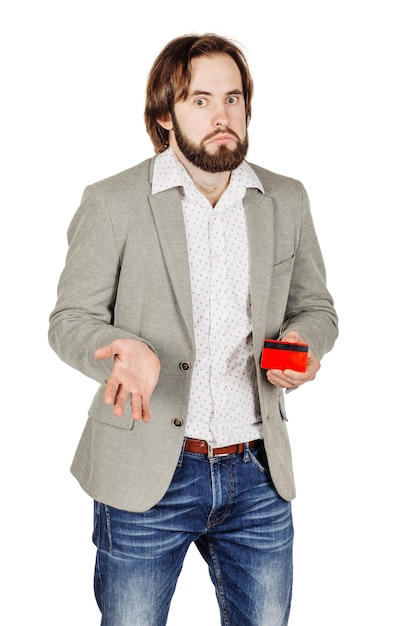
x=200 y=102
x=232 y=100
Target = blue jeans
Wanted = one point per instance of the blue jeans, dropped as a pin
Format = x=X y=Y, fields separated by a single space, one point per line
x=242 y=528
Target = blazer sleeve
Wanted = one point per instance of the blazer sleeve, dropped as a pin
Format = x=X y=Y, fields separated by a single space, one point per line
x=82 y=320
x=310 y=308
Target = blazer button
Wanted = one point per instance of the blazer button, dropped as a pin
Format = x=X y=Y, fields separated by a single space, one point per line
x=185 y=366
x=177 y=421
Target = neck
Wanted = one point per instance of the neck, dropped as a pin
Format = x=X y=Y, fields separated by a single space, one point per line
x=211 y=185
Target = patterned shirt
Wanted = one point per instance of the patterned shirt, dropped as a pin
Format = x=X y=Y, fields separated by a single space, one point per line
x=224 y=403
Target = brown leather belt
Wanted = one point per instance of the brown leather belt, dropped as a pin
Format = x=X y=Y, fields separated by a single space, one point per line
x=199 y=446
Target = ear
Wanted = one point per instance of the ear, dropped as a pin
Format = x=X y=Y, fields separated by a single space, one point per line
x=166 y=122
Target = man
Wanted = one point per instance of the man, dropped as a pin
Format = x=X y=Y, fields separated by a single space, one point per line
x=177 y=271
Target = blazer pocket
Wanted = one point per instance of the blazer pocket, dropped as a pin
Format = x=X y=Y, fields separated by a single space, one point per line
x=283 y=265
x=103 y=413
x=281 y=277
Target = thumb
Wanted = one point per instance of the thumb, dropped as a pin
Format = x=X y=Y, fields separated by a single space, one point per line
x=293 y=337
x=106 y=351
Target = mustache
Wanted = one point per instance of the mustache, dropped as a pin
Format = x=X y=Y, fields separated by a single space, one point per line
x=222 y=131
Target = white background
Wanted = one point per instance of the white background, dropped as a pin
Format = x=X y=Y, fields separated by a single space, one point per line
x=334 y=106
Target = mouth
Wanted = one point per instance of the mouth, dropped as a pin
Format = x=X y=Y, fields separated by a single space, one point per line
x=222 y=138
x=221 y=141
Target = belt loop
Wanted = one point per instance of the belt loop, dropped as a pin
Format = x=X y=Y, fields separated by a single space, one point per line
x=209 y=451
x=246 y=456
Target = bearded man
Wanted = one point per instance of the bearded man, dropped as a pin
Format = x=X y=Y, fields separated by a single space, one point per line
x=177 y=271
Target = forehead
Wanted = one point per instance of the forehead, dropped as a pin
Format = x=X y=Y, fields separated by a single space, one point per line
x=214 y=73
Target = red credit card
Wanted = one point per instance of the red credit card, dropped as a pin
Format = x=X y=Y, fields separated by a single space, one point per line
x=283 y=355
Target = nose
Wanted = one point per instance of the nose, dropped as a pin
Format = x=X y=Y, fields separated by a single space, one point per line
x=220 y=117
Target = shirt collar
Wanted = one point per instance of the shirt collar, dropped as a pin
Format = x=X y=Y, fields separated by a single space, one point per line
x=169 y=172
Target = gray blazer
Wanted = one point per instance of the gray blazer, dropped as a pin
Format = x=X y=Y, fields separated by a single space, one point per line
x=127 y=276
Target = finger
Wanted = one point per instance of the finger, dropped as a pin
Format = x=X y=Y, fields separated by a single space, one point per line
x=120 y=401
x=140 y=407
x=136 y=405
x=146 y=413
x=275 y=378
x=110 y=391
x=279 y=378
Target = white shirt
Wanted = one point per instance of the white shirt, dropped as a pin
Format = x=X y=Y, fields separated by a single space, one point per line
x=224 y=403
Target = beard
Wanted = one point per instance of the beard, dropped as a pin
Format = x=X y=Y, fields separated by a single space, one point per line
x=223 y=160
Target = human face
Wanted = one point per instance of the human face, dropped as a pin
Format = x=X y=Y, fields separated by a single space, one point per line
x=209 y=126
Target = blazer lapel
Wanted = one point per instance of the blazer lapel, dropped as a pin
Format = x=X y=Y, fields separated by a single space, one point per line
x=260 y=225
x=169 y=221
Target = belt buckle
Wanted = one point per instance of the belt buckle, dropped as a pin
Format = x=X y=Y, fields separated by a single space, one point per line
x=210 y=452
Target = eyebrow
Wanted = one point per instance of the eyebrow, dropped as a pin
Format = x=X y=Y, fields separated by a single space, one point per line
x=201 y=92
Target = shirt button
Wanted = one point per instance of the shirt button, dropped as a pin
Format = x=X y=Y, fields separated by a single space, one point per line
x=185 y=366
x=177 y=421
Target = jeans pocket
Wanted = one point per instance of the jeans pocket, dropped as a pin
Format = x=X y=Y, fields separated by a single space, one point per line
x=96 y=526
x=102 y=528
x=258 y=458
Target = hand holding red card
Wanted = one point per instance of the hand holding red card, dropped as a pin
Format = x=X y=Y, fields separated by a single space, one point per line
x=282 y=355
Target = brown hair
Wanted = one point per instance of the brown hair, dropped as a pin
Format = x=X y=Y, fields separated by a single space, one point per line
x=170 y=77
